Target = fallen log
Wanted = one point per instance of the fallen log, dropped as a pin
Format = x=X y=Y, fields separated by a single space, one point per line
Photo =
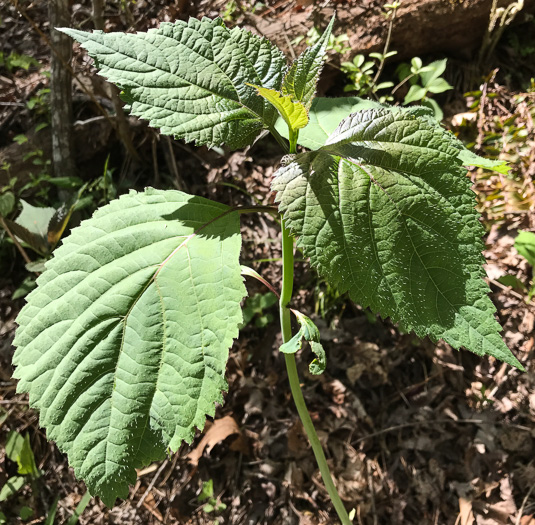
x=453 y=27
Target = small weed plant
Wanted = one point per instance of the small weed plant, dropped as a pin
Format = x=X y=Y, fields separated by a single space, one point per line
x=525 y=246
x=123 y=345
x=211 y=504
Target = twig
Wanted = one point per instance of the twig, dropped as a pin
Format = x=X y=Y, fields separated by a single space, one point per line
x=506 y=288
x=37 y=29
x=123 y=129
x=179 y=182
x=437 y=422
x=372 y=492
x=289 y=44
x=404 y=81
x=170 y=472
x=97 y=14
x=89 y=121
x=206 y=165
x=500 y=18
x=387 y=44
x=15 y=241
x=481 y=116
x=152 y=483
x=155 y=161
x=60 y=101
x=524 y=501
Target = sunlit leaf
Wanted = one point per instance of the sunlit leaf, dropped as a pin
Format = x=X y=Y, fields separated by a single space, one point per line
x=189 y=78
x=384 y=210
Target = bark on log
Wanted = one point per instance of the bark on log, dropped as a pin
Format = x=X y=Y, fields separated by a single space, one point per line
x=421 y=27
x=61 y=90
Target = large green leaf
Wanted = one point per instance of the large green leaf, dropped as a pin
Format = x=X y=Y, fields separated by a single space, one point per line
x=123 y=345
x=302 y=77
x=384 y=210
x=326 y=114
x=189 y=78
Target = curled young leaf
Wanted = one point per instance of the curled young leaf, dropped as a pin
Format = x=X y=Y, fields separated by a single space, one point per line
x=308 y=331
x=293 y=113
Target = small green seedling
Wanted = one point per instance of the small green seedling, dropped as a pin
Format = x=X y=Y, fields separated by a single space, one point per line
x=424 y=80
x=14 y=61
x=19 y=450
x=525 y=246
x=337 y=44
x=255 y=308
x=124 y=343
x=362 y=75
x=212 y=504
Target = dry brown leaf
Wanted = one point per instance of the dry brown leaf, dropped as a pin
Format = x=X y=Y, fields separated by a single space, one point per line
x=461 y=118
x=337 y=391
x=218 y=431
x=297 y=440
x=466 y=514
x=367 y=361
x=150 y=504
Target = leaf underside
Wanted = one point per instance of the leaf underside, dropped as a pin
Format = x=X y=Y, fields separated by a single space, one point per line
x=124 y=343
x=189 y=78
x=326 y=114
x=384 y=210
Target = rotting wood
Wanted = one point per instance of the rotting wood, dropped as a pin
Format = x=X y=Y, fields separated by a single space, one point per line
x=454 y=27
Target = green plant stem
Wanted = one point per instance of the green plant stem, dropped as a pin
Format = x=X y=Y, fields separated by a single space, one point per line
x=293 y=377
x=314 y=440
x=17 y=244
x=294 y=134
x=287 y=283
x=385 y=51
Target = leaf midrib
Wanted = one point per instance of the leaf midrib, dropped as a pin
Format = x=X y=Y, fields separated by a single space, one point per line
x=239 y=101
x=402 y=217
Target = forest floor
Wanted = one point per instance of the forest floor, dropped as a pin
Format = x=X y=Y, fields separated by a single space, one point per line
x=415 y=432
